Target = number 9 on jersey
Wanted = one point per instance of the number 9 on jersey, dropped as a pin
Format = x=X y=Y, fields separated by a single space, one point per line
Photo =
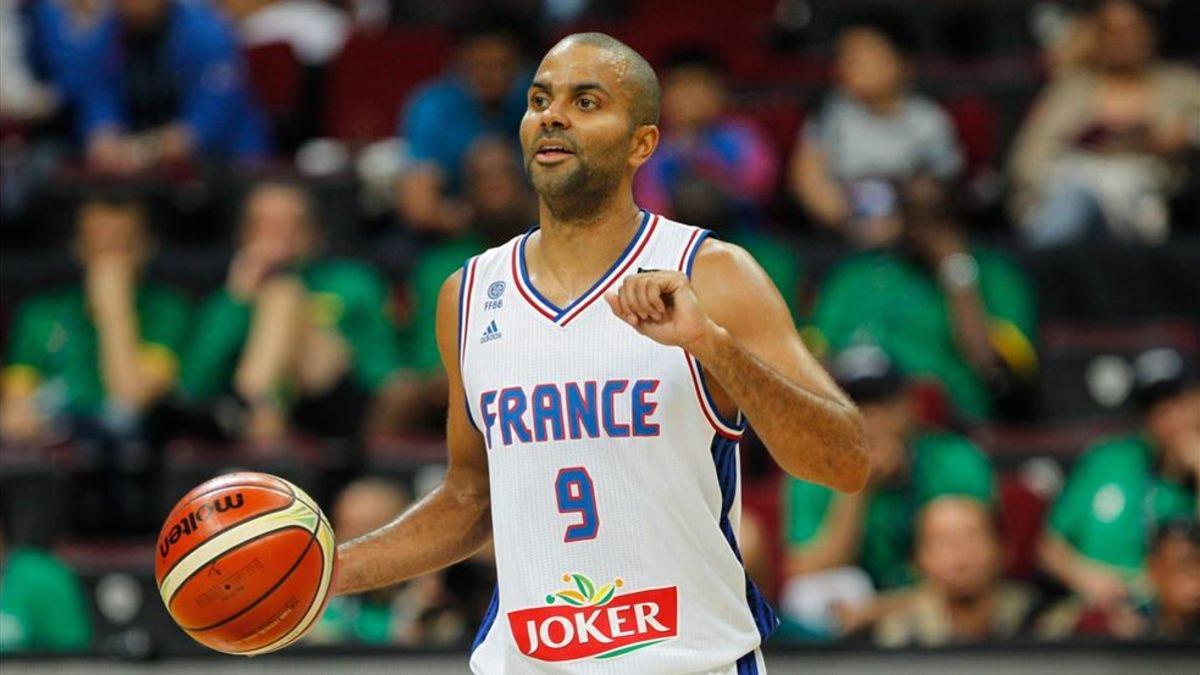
x=576 y=494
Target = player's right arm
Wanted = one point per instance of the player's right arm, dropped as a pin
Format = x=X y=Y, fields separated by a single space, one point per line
x=454 y=521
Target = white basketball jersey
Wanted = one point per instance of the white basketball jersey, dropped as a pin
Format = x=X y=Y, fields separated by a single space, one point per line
x=614 y=480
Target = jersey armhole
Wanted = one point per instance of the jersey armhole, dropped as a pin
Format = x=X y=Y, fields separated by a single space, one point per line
x=465 y=288
x=724 y=427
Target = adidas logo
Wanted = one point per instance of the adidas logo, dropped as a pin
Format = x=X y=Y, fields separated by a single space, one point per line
x=490 y=333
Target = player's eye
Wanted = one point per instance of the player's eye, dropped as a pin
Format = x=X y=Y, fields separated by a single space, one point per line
x=538 y=101
x=586 y=103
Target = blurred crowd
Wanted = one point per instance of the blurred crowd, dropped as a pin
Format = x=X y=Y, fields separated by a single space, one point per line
x=934 y=333
x=918 y=559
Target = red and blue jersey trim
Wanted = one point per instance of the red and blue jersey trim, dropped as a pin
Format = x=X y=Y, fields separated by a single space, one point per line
x=728 y=429
x=489 y=618
x=466 y=289
x=465 y=293
x=563 y=316
x=688 y=258
x=725 y=428
x=725 y=463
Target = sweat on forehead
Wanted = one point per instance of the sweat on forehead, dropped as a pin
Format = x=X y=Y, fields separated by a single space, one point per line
x=633 y=73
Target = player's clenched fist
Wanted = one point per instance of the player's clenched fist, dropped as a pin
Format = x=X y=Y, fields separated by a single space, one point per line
x=662 y=306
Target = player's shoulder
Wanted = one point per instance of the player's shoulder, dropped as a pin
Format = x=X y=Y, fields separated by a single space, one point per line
x=705 y=247
x=491 y=260
x=721 y=259
x=714 y=251
x=732 y=287
x=483 y=262
x=723 y=274
x=502 y=250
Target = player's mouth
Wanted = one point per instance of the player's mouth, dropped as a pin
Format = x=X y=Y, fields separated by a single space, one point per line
x=552 y=152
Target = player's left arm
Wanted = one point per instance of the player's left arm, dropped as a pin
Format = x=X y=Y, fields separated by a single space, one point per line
x=733 y=320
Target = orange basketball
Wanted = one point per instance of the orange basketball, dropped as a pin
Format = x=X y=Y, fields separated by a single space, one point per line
x=245 y=563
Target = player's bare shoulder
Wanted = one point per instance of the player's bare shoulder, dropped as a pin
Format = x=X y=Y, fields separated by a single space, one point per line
x=730 y=284
x=448 y=294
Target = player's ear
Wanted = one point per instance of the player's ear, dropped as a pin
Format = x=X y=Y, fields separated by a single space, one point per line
x=644 y=142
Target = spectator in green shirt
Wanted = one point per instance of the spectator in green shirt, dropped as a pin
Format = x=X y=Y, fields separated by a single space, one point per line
x=873 y=529
x=501 y=206
x=302 y=341
x=1169 y=608
x=91 y=358
x=961 y=316
x=1098 y=530
x=43 y=607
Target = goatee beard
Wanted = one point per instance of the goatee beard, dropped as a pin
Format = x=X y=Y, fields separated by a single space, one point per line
x=577 y=196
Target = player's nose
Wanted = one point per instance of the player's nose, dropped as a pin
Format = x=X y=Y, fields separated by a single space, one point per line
x=554 y=116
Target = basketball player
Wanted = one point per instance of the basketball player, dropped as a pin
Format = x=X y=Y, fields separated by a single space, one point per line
x=595 y=441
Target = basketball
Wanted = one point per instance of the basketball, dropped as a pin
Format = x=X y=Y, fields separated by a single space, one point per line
x=245 y=563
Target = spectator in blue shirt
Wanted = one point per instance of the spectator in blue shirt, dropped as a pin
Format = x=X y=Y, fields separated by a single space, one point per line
x=157 y=81
x=62 y=35
x=483 y=95
x=711 y=166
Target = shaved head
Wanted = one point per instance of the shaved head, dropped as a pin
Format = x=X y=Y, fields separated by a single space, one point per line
x=591 y=121
x=637 y=78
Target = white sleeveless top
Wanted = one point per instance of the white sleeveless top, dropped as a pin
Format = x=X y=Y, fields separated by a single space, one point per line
x=614 y=479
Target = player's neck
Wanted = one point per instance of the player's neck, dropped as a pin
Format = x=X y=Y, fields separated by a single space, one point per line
x=582 y=214
x=572 y=253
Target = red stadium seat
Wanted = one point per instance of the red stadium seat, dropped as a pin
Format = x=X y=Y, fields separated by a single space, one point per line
x=373 y=76
x=728 y=26
x=781 y=117
x=275 y=76
x=1009 y=445
x=761 y=499
x=1022 y=510
x=978 y=125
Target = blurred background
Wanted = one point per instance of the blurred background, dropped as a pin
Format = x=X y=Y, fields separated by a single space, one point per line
x=224 y=224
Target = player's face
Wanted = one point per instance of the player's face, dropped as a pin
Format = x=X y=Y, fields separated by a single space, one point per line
x=577 y=133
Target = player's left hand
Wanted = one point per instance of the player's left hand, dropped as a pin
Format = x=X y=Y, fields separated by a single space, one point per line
x=662 y=306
